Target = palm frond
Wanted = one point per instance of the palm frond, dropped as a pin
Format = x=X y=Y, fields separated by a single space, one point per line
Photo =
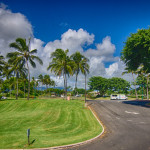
x=33 y=51
x=22 y=43
x=32 y=63
x=13 y=54
x=15 y=46
x=37 y=59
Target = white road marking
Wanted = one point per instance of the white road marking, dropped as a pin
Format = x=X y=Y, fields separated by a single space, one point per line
x=142 y=122
x=129 y=120
x=117 y=118
x=135 y=113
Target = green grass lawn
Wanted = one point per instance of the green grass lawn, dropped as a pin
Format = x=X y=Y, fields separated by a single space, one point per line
x=51 y=122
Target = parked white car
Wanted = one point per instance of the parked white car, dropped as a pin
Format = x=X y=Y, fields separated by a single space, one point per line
x=4 y=97
x=78 y=95
x=118 y=96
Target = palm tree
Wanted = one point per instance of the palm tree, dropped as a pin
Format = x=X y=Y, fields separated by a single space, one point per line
x=79 y=60
x=85 y=69
x=23 y=55
x=61 y=65
x=2 y=63
x=46 y=80
x=52 y=83
x=6 y=70
x=128 y=70
x=24 y=79
x=8 y=75
x=18 y=71
x=34 y=85
x=40 y=78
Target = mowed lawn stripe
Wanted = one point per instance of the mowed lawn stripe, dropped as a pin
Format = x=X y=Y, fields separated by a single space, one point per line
x=52 y=123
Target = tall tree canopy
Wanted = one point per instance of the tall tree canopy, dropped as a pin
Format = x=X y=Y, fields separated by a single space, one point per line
x=136 y=52
x=98 y=83
x=118 y=84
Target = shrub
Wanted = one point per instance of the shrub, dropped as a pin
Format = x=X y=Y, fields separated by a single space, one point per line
x=1 y=96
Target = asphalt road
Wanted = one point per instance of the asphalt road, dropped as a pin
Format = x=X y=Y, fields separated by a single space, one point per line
x=127 y=126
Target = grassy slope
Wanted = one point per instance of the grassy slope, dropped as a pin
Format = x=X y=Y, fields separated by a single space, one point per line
x=52 y=123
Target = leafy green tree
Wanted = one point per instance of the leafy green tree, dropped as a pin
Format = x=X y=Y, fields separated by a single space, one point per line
x=8 y=85
x=144 y=74
x=6 y=71
x=141 y=81
x=79 y=60
x=119 y=85
x=98 y=83
x=23 y=55
x=78 y=91
x=104 y=85
x=61 y=65
x=136 y=52
x=128 y=70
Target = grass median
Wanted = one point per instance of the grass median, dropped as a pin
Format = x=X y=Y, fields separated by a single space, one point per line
x=51 y=122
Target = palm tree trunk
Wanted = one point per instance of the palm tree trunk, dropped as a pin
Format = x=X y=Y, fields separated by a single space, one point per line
x=15 y=85
x=85 y=89
x=46 y=89
x=65 y=81
x=24 y=89
x=17 y=89
x=135 y=87
x=28 y=82
x=147 y=86
x=76 y=84
x=64 y=85
x=49 y=91
x=10 y=90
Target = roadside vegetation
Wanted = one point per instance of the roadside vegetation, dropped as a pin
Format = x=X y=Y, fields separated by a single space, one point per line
x=51 y=122
x=136 y=56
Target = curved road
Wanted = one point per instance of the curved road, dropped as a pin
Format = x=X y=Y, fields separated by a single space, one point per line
x=127 y=126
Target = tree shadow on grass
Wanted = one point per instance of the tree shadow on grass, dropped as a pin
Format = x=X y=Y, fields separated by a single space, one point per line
x=141 y=103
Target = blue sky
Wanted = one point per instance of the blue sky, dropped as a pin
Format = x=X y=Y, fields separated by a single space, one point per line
x=115 y=18
x=111 y=21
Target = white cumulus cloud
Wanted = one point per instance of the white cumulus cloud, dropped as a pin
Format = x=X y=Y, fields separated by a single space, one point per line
x=12 y=26
x=72 y=40
x=112 y=68
x=105 y=49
